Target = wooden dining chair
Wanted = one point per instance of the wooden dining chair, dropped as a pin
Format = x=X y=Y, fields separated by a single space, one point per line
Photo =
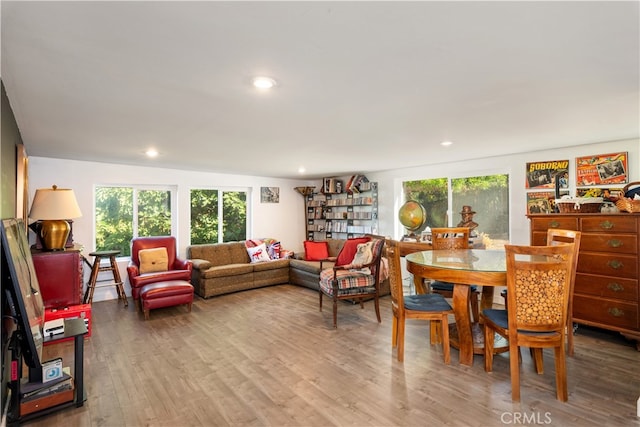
x=432 y=307
x=453 y=238
x=538 y=293
x=557 y=236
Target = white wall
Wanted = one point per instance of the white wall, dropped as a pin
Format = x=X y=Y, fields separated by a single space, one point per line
x=285 y=220
x=390 y=182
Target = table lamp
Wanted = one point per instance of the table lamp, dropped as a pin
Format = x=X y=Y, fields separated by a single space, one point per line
x=53 y=207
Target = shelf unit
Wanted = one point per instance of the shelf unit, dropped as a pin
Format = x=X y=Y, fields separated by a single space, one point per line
x=342 y=215
x=73 y=329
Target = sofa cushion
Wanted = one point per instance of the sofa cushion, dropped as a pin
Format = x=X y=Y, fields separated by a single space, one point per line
x=153 y=260
x=316 y=251
x=227 y=270
x=271 y=265
x=349 y=250
x=258 y=253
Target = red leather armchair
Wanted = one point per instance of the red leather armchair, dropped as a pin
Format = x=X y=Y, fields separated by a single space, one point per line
x=179 y=269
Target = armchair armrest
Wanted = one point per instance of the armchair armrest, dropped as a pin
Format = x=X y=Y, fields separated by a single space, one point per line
x=182 y=264
x=200 y=264
x=330 y=259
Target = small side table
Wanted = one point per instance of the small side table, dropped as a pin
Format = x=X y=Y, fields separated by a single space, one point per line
x=97 y=267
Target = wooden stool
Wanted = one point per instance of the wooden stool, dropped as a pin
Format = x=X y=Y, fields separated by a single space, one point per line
x=97 y=268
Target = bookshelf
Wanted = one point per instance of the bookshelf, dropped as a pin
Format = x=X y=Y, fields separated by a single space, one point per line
x=340 y=215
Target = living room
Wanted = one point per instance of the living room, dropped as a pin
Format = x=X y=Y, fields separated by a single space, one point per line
x=243 y=353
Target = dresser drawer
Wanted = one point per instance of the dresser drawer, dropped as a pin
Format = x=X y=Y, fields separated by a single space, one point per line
x=549 y=221
x=607 y=312
x=606 y=242
x=607 y=287
x=609 y=224
x=615 y=265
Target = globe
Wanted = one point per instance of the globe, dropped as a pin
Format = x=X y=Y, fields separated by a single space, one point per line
x=412 y=215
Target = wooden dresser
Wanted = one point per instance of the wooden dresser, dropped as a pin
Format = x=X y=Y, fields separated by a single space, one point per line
x=607 y=290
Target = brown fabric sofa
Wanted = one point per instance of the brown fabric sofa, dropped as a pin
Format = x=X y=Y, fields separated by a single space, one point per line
x=222 y=268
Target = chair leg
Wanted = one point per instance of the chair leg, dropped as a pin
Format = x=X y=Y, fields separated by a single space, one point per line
x=514 y=367
x=444 y=332
x=320 y=296
x=474 y=307
x=401 y=324
x=394 y=331
x=561 y=374
x=434 y=332
x=538 y=362
x=489 y=337
x=570 y=336
x=335 y=312
x=377 y=305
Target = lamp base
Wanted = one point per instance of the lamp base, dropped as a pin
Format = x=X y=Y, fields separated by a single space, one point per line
x=54 y=234
x=39 y=244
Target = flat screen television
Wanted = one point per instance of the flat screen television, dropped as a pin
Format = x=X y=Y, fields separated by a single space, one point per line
x=21 y=288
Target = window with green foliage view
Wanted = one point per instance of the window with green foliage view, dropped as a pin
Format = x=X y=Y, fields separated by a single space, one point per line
x=487 y=195
x=208 y=206
x=123 y=213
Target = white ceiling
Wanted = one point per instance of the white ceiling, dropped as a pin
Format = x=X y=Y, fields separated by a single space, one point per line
x=363 y=86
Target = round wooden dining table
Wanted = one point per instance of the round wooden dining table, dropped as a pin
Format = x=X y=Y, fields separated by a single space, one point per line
x=463 y=268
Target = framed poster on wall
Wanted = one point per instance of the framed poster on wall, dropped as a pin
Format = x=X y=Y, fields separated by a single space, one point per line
x=602 y=169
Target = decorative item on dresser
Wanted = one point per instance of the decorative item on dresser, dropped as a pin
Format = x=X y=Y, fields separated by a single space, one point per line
x=53 y=207
x=607 y=290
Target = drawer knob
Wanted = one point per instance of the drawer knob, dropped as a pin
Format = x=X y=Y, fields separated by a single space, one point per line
x=607 y=225
x=614 y=243
x=616 y=312
x=615 y=287
x=615 y=264
x=554 y=224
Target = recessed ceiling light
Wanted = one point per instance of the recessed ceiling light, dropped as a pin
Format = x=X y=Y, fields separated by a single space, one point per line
x=151 y=152
x=301 y=169
x=264 y=82
x=446 y=143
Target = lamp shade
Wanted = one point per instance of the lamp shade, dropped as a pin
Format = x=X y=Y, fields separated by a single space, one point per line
x=54 y=203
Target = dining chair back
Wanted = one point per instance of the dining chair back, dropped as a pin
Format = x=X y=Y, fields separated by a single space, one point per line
x=453 y=238
x=558 y=236
x=432 y=307
x=538 y=285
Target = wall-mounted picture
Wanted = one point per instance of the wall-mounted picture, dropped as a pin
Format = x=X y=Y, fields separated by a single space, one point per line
x=269 y=194
x=545 y=174
x=602 y=169
x=540 y=202
x=607 y=194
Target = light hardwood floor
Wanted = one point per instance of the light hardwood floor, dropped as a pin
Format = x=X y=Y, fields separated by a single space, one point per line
x=268 y=357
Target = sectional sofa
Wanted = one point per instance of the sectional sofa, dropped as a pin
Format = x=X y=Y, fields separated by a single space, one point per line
x=222 y=268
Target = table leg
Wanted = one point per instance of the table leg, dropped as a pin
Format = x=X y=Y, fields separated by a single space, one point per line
x=463 y=323
x=418 y=284
x=486 y=299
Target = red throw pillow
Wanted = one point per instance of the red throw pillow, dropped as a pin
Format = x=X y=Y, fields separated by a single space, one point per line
x=315 y=251
x=349 y=250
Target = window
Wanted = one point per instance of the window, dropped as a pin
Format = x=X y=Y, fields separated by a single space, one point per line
x=487 y=195
x=123 y=213
x=208 y=206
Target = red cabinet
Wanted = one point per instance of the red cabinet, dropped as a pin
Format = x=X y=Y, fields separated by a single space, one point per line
x=60 y=277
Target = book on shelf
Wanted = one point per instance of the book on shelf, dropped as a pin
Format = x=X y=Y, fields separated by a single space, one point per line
x=30 y=391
